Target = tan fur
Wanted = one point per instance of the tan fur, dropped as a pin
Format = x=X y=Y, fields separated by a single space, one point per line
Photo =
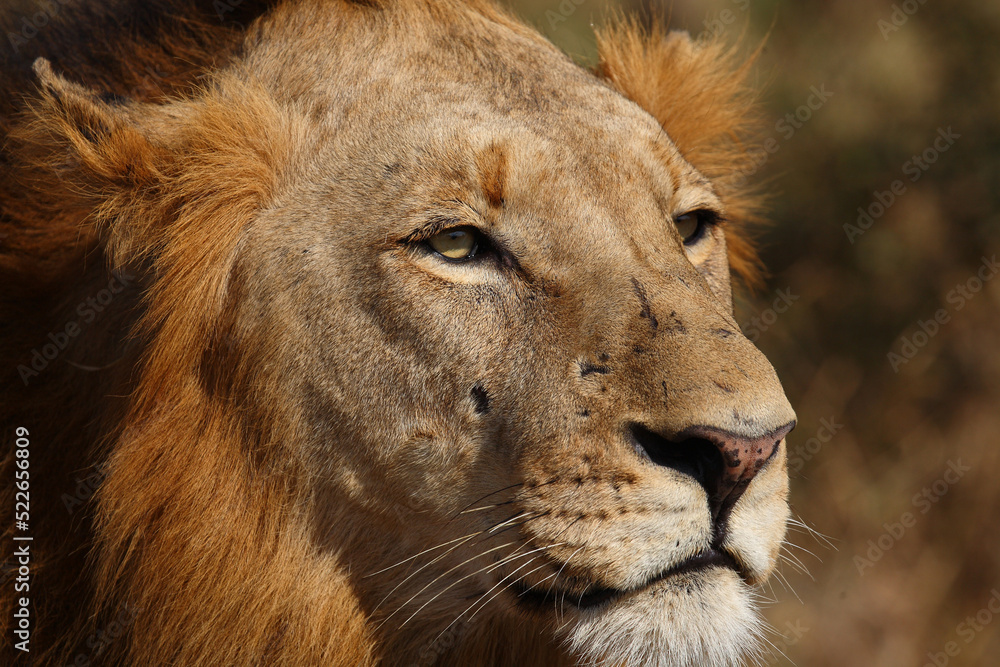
x=318 y=442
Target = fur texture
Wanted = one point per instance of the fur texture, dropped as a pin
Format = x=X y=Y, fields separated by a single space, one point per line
x=310 y=439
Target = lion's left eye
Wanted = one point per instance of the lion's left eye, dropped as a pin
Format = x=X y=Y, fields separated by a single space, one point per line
x=457 y=245
x=691 y=226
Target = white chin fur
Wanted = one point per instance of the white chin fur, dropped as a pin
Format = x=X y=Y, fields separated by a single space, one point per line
x=704 y=619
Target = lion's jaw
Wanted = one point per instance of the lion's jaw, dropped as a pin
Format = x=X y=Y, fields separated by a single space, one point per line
x=708 y=618
x=700 y=611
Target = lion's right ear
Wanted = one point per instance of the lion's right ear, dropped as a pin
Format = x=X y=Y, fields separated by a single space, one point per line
x=699 y=92
x=95 y=154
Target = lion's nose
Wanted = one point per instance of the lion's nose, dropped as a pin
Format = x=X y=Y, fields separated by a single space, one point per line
x=723 y=462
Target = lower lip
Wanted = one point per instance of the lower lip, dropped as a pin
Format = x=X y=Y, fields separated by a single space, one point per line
x=595 y=598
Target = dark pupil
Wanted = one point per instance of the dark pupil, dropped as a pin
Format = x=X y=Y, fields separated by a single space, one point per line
x=688 y=225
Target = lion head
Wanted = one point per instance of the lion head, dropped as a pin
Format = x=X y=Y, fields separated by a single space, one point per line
x=433 y=357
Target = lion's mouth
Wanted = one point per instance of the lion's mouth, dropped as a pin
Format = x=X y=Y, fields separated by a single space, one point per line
x=595 y=596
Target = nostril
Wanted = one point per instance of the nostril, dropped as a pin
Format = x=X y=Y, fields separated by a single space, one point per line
x=697 y=457
x=723 y=462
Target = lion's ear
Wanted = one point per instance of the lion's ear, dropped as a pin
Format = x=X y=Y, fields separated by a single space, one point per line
x=698 y=91
x=96 y=152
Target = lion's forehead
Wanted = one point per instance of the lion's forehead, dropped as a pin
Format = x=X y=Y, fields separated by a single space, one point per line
x=612 y=177
x=434 y=94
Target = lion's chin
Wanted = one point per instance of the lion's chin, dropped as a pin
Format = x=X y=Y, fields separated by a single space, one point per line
x=704 y=618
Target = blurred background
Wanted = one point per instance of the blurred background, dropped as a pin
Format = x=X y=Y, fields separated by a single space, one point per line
x=881 y=312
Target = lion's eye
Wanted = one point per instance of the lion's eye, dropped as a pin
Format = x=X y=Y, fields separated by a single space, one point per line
x=691 y=226
x=456 y=244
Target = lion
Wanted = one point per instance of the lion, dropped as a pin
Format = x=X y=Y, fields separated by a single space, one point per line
x=379 y=332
